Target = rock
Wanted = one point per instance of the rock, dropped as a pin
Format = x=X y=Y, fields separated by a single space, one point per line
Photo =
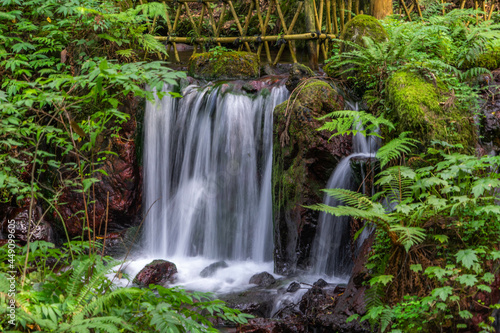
x=211 y=269
x=254 y=301
x=422 y=104
x=41 y=229
x=293 y=287
x=320 y=283
x=224 y=65
x=490 y=120
x=119 y=243
x=305 y=158
x=279 y=69
x=123 y=181
x=263 y=279
x=263 y=325
x=297 y=73
x=158 y=272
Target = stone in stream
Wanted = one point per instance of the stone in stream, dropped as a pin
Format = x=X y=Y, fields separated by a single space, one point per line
x=224 y=65
x=293 y=287
x=158 y=272
x=263 y=279
x=320 y=283
x=298 y=72
x=211 y=269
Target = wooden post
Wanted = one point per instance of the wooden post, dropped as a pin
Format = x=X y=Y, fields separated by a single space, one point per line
x=211 y=19
x=310 y=26
x=418 y=8
x=335 y=23
x=342 y=14
x=406 y=9
x=247 y=20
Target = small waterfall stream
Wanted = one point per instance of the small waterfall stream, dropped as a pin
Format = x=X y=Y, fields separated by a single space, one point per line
x=331 y=250
x=207 y=174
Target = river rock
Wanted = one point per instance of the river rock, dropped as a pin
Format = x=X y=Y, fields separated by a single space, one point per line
x=320 y=283
x=211 y=269
x=159 y=272
x=263 y=279
x=304 y=160
x=224 y=65
x=297 y=73
x=293 y=287
x=119 y=243
x=264 y=325
x=254 y=301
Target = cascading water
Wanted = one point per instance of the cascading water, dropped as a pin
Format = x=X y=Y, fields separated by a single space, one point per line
x=331 y=251
x=207 y=174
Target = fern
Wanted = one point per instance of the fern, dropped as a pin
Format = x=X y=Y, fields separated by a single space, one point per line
x=396 y=148
x=349 y=122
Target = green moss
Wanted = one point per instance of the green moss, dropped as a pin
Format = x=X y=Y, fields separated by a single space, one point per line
x=231 y=65
x=361 y=26
x=429 y=110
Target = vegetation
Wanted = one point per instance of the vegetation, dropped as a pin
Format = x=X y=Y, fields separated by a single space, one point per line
x=66 y=71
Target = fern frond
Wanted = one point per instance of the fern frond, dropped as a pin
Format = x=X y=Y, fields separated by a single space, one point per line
x=409 y=236
x=397 y=183
x=395 y=148
x=349 y=122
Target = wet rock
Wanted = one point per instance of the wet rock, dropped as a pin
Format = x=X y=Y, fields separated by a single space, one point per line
x=118 y=244
x=293 y=287
x=211 y=269
x=263 y=279
x=490 y=120
x=263 y=325
x=254 y=301
x=279 y=69
x=224 y=65
x=305 y=158
x=298 y=72
x=320 y=283
x=159 y=272
x=40 y=228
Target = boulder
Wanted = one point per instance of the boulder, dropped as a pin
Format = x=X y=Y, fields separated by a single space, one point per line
x=118 y=243
x=211 y=269
x=263 y=279
x=421 y=103
x=262 y=325
x=255 y=301
x=297 y=73
x=320 y=283
x=159 y=272
x=303 y=158
x=224 y=65
x=40 y=228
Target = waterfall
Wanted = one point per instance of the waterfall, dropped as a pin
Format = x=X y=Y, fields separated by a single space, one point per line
x=207 y=174
x=331 y=250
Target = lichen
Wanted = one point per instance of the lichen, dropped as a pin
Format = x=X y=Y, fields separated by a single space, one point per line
x=428 y=109
x=229 y=65
x=361 y=26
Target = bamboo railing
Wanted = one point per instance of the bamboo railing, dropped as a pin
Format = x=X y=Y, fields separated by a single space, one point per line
x=330 y=17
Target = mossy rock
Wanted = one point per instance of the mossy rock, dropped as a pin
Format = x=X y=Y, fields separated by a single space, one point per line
x=227 y=65
x=422 y=104
x=490 y=60
x=303 y=159
x=297 y=73
x=362 y=26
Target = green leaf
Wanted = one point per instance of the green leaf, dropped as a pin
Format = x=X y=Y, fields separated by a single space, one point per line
x=484 y=288
x=465 y=314
x=441 y=238
x=467 y=257
x=383 y=279
x=416 y=267
x=467 y=279
x=443 y=292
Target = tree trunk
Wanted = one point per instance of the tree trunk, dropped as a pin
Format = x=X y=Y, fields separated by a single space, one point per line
x=381 y=8
x=311 y=27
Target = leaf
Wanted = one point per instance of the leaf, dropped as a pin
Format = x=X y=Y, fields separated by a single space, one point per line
x=441 y=238
x=484 y=288
x=468 y=279
x=416 y=268
x=443 y=292
x=383 y=279
x=467 y=257
x=465 y=314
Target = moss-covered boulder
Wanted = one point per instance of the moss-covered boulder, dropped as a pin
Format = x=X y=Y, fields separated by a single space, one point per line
x=362 y=26
x=227 y=65
x=304 y=158
x=297 y=73
x=421 y=103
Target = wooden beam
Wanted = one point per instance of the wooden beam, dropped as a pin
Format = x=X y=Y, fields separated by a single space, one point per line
x=306 y=36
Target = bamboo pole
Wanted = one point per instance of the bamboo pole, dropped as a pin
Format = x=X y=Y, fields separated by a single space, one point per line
x=247 y=20
x=484 y=9
x=328 y=21
x=491 y=11
x=200 y=21
x=318 y=28
x=169 y=26
x=356 y=7
x=221 y=19
x=462 y=5
x=406 y=10
x=249 y=39
x=193 y=24
x=342 y=14
x=349 y=10
x=334 y=12
x=176 y=21
x=442 y=4
x=240 y=29
x=211 y=19
x=417 y=4
x=287 y=30
x=263 y=29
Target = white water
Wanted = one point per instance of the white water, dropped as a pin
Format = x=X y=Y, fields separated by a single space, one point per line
x=331 y=251
x=207 y=183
